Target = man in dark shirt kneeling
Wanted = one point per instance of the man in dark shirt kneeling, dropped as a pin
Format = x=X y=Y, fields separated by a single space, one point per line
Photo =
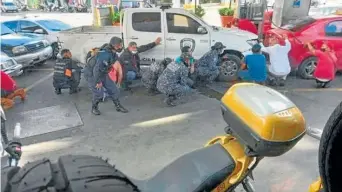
x=130 y=61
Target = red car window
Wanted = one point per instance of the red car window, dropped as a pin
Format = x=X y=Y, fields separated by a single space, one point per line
x=298 y=24
x=334 y=28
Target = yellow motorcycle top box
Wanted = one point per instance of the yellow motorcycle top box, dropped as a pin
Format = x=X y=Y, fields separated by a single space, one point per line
x=262 y=118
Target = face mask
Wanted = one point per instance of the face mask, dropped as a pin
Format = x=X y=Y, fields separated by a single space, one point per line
x=186 y=55
x=220 y=51
x=134 y=52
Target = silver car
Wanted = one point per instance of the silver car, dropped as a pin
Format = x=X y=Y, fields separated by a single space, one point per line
x=9 y=7
x=10 y=66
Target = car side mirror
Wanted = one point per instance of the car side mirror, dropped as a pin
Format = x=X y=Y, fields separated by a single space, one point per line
x=39 y=31
x=202 y=30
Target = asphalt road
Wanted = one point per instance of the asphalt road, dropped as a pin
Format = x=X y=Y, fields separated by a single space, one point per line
x=143 y=141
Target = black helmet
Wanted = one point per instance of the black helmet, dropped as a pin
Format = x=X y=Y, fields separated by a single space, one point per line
x=218 y=45
x=114 y=41
x=166 y=61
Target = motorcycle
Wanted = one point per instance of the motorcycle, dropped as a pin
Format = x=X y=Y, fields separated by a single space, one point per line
x=12 y=147
x=265 y=124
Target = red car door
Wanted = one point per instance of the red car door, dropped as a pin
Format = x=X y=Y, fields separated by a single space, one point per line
x=333 y=36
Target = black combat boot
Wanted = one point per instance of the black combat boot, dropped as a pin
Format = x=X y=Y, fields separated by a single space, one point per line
x=119 y=107
x=95 y=108
x=74 y=90
x=150 y=92
x=281 y=82
x=170 y=100
x=58 y=91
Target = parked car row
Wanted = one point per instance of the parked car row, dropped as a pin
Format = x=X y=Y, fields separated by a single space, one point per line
x=28 y=42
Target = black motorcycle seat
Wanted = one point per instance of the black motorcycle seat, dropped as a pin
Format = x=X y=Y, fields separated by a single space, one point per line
x=200 y=170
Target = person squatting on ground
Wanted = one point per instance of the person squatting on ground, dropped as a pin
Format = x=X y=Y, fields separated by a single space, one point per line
x=174 y=82
x=96 y=74
x=9 y=91
x=186 y=59
x=207 y=66
x=150 y=77
x=130 y=61
x=254 y=67
x=67 y=74
x=279 y=66
x=325 y=70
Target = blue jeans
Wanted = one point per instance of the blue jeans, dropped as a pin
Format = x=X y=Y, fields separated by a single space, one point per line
x=245 y=76
x=130 y=76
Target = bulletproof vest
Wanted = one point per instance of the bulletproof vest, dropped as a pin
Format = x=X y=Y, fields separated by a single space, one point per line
x=59 y=68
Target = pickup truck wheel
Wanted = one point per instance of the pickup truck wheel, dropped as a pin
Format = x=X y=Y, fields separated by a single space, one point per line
x=229 y=68
x=307 y=68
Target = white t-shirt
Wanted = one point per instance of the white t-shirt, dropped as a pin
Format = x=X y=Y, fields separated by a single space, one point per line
x=280 y=64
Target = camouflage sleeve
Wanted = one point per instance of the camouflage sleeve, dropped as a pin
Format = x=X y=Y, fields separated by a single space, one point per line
x=185 y=80
x=146 y=47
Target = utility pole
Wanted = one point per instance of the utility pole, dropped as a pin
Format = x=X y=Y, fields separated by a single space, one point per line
x=93 y=8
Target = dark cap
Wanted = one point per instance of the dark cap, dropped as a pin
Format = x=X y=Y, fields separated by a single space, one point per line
x=185 y=49
x=256 y=48
x=115 y=41
x=218 y=45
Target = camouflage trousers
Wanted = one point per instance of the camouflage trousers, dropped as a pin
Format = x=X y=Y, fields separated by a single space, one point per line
x=177 y=90
x=149 y=83
x=205 y=74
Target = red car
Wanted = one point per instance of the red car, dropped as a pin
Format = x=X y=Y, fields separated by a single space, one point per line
x=316 y=30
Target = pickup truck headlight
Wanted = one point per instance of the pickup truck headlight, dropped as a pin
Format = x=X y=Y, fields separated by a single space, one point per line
x=46 y=43
x=19 y=49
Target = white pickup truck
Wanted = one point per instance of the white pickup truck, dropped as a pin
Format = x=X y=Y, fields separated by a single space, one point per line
x=177 y=28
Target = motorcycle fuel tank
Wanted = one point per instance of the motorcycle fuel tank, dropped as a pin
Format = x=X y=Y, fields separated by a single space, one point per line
x=262 y=119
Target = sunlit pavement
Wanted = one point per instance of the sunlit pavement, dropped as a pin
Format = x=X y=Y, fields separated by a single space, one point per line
x=143 y=141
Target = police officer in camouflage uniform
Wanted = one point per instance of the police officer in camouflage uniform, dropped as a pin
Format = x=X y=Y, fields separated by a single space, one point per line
x=150 y=77
x=186 y=59
x=174 y=82
x=207 y=66
x=60 y=79
x=96 y=74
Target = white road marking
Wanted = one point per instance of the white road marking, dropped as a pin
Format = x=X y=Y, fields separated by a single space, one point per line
x=39 y=82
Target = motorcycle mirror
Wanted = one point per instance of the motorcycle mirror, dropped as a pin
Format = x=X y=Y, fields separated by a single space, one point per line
x=314 y=132
x=17 y=131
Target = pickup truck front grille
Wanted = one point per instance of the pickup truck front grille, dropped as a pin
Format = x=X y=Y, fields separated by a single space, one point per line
x=34 y=47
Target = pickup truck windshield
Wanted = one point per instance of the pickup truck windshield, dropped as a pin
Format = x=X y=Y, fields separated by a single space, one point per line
x=298 y=24
x=8 y=4
x=5 y=30
x=194 y=15
x=54 y=25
